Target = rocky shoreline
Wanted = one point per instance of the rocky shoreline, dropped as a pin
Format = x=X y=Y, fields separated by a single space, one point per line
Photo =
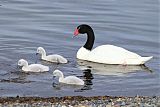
x=77 y=101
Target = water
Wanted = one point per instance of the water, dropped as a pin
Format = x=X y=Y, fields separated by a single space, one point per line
x=28 y=24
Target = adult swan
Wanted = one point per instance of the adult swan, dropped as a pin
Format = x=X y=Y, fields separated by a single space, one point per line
x=107 y=54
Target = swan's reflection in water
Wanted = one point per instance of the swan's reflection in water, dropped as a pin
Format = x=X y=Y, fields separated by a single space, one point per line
x=104 y=69
x=90 y=68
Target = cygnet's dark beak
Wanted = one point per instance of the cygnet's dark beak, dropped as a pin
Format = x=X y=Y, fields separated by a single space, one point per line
x=19 y=67
x=54 y=77
x=37 y=53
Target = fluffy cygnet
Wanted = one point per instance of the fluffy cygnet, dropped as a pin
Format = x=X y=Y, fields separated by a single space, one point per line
x=69 y=79
x=50 y=58
x=32 y=67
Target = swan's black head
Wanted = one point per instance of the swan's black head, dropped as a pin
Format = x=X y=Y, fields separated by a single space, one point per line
x=82 y=29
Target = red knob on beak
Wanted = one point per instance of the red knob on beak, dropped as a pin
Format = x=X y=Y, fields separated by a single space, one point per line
x=76 y=32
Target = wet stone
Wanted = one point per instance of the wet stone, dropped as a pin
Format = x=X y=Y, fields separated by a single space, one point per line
x=80 y=101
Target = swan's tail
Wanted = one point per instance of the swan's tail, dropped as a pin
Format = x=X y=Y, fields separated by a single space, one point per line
x=145 y=59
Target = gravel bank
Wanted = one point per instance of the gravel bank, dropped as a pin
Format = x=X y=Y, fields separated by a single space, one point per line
x=79 y=101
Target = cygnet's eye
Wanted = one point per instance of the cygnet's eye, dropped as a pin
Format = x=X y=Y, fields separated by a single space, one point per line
x=56 y=74
x=39 y=51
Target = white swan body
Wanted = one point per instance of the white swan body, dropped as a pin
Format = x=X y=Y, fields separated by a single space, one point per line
x=106 y=54
x=32 y=67
x=109 y=54
x=51 y=58
x=73 y=80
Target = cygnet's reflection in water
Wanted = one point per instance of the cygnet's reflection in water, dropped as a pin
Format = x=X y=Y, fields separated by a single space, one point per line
x=104 y=69
x=87 y=77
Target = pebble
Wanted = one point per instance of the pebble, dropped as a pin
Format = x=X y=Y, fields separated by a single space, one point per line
x=105 y=102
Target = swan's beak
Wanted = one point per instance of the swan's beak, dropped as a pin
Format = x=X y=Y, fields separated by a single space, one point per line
x=76 y=32
x=37 y=53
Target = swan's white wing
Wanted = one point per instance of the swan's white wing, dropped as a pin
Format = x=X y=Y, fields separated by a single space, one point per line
x=112 y=55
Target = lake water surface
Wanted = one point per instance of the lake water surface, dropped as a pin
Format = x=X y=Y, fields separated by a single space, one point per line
x=28 y=24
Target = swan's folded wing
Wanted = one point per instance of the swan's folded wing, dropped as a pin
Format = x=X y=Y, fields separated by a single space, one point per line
x=111 y=54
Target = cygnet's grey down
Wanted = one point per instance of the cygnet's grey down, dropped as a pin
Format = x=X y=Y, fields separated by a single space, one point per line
x=50 y=58
x=69 y=79
x=32 y=67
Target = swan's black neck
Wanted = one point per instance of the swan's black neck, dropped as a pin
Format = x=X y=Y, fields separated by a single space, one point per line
x=90 y=39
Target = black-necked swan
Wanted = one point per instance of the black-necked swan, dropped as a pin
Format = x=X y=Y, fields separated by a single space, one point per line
x=50 y=58
x=73 y=80
x=107 y=54
x=32 y=67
